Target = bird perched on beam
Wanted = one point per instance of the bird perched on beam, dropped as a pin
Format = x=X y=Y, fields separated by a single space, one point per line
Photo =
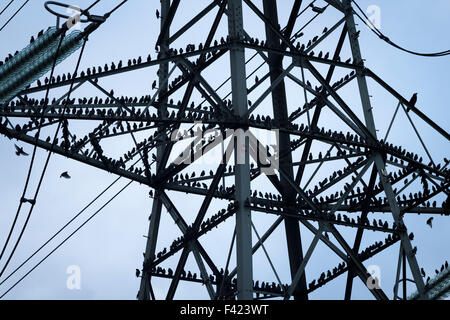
x=412 y=102
x=31 y=201
x=430 y=222
x=19 y=151
x=317 y=9
x=65 y=175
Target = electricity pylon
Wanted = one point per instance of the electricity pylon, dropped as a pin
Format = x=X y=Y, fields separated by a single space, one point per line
x=366 y=172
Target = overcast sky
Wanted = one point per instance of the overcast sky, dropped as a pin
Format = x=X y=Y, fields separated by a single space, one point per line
x=109 y=248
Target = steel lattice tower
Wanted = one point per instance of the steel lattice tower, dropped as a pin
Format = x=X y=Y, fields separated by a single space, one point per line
x=364 y=184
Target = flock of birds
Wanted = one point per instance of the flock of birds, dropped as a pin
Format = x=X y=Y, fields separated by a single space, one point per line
x=396 y=152
x=21 y=152
x=266 y=288
x=207 y=114
x=191 y=49
x=205 y=227
x=443 y=268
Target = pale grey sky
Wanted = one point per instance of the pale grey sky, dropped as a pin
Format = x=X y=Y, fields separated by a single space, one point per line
x=109 y=248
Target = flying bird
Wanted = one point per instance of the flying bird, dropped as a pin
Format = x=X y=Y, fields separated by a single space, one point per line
x=430 y=222
x=19 y=151
x=65 y=175
x=412 y=102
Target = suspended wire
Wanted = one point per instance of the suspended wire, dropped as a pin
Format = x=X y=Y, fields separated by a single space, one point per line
x=117 y=7
x=6 y=23
x=48 y=158
x=66 y=239
x=61 y=229
x=34 y=152
x=45 y=166
x=6 y=6
x=90 y=7
x=32 y=157
x=68 y=223
x=375 y=30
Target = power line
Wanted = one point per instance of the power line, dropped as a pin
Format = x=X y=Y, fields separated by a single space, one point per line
x=34 y=152
x=13 y=14
x=32 y=161
x=6 y=6
x=66 y=239
x=45 y=166
x=67 y=224
x=61 y=229
x=47 y=161
x=117 y=7
x=375 y=30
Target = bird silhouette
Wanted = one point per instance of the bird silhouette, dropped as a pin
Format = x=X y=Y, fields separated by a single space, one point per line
x=19 y=151
x=430 y=222
x=65 y=175
x=157 y=14
x=412 y=102
x=31 y=201
x=138 y=273
x=317 y=9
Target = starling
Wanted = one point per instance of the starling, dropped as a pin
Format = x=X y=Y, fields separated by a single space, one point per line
x=19 y=151
x=65 y=175
x=412 y=102
x=317 y=9
x=430 y=222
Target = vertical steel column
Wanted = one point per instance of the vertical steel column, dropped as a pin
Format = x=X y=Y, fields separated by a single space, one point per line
x=149 y=256
x=279 y=101
x=404 y=275
x=370 y=123
x=241 y=151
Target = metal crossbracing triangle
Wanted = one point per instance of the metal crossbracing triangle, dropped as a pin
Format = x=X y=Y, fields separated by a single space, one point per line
x=328 y=171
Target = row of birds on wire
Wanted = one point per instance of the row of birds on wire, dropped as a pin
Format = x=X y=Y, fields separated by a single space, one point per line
x=333 y=176
x=145 y=115
x=92 y=71
x=205 y=226
x=324 y=277
x=258 y=120
x=315 y=283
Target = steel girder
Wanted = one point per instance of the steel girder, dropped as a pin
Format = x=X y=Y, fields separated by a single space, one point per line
x=296 y=202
